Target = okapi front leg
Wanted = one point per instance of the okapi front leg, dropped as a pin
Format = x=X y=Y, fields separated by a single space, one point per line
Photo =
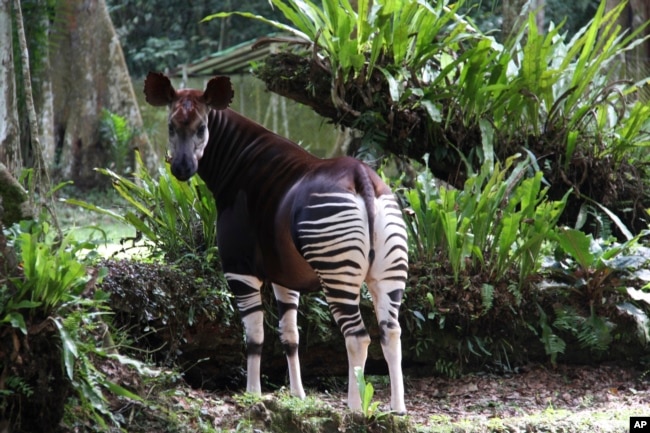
x=288 y=310
x=247 y=291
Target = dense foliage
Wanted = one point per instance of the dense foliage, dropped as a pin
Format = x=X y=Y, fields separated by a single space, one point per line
x=493 y=271
x=488 y=243
x=51 y=305
x=496 y=224
x=487 y=14
x=176 y=218
x=419 y=78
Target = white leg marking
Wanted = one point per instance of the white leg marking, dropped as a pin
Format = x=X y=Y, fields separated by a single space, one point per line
x=246 y=289
x=288 y=308
x=254 y=326
x=357 y=347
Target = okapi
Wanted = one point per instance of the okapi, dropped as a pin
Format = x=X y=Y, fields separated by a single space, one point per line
x=295 y=220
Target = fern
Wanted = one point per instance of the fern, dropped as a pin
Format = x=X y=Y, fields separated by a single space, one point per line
x=16 y=384
x=567 y=319
x=447 y=368
x=487 y=297
x=593 y=332
x=553 y=344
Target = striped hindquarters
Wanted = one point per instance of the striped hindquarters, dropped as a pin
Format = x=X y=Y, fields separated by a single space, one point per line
x=333 y=236
x=391 y=242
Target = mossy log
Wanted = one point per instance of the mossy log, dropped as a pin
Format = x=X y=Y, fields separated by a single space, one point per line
x=406 y=129
x=14 y=203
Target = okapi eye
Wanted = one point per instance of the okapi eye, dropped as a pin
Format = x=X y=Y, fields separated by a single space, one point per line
x=172 y=131
x=200 y=131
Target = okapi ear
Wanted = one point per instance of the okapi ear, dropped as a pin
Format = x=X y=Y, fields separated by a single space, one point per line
x=218 y=93
x=158 y=90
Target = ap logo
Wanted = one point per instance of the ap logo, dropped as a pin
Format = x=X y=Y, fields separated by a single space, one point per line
x=639 y=424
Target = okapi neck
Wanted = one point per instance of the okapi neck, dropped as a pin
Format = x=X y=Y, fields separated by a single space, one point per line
x=242 y=155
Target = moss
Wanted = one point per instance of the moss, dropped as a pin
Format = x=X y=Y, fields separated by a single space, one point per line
x=282 y=413
x=13 y=199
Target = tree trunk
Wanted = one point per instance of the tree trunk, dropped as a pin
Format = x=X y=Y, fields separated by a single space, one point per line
x=43 y=97
x=89 y=75
x=9 y=130
x=40 y=173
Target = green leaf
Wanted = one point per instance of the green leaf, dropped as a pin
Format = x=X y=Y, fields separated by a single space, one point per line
x=507 y=237
x=17 y=321
x=25 y=304
x=487 y=296
x=121 y=391
x=70 y=352
x=619 y=224
x=366 y=392
x=572 y=142
x=394 y=87
x=553 y=345
x=419 y=315
x=577 y=245
x=94 y=396
x=487 y=141
x=94 y=208
x=433 y=110
x=291 y=15
x=639 y=295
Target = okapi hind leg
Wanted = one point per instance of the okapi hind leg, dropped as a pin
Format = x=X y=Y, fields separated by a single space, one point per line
x=288 y=311
x=387 y=298
x=386 y=283
x=247 y=291
x=344 y=306
x=333 y=236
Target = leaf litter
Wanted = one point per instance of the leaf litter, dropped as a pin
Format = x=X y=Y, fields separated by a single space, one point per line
x=538 y=398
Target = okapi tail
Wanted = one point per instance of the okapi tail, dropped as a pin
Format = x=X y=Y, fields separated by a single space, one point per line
x=366 y=190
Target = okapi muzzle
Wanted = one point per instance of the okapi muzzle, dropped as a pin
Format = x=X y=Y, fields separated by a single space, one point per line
x=188 y=118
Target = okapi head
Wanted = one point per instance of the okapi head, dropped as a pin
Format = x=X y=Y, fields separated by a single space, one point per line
x=188 y=117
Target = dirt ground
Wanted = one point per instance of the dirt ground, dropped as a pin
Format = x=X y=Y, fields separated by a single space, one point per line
x=589 y=391
x=537 y=398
